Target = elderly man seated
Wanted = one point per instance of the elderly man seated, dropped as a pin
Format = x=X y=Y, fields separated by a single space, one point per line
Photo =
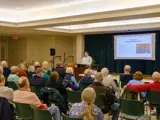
x=87 y=77
x=13 y=76
x=37 y=79
x=108 y=98
x=126 y=76
x=37 y=65
x=108 y=80
x=23 y=95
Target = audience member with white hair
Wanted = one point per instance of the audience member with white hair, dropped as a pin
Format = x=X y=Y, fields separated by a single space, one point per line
x=126 y=76
x=13 y=76
x=31 y=72
x=108 y=80
x=87 y=77
x=155 y=87
x=70 y=77
x=108 y=97
x=6 y=70
x=45 y=67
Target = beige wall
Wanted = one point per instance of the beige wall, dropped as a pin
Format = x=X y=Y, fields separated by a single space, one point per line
x=37 y=48
x=17 y=50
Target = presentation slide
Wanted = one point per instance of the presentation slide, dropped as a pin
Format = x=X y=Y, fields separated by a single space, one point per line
x=137 y=46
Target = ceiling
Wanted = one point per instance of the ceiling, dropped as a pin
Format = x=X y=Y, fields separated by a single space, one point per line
x=77 y=16
x=28 y=5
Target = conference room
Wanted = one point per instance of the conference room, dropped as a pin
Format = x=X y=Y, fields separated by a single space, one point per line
x=80 y=60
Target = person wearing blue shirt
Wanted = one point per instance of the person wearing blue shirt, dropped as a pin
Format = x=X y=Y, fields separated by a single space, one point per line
x=70 y=76
x=137 y=77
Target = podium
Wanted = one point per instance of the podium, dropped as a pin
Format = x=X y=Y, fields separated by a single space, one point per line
x=79 y=69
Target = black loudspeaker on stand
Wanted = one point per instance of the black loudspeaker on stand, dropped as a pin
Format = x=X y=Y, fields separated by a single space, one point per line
x=52 y=52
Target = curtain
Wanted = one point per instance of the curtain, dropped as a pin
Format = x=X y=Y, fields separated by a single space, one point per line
x=101 y=49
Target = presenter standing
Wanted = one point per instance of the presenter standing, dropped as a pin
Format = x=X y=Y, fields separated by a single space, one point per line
x=86 y=60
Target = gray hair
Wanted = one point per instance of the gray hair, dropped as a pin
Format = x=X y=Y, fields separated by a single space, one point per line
x=31 y=69
x=104 y=72
x=156 y=76
x=4 y=63
x=14 y=69
x=69 y=70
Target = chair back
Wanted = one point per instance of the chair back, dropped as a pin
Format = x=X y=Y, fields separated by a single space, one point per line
x=69 y=118
x=36 y=90
x=41 y=114
x=74 y=96
x=132 y=107
x=24 y=111
x=13 y=85
x=83 y=86
x=153 y=97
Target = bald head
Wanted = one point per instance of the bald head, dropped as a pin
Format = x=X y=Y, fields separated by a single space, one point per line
x=23 y=83
x=127 y=68
x=87 y=73
x=98 y=77
x=37 y=63
x=4 y=63
x=156 y=76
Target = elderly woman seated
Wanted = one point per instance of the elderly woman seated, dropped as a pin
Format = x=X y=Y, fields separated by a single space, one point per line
x=69 y=80
x=87 y=77
x=13 y=76
x=45 y=67
x=31 y=72
x=108 y=80
x=86 y=109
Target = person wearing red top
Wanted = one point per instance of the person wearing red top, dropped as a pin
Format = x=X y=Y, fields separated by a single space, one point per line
x=155 y=87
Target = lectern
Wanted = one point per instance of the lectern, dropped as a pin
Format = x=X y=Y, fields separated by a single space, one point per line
x=79 y=69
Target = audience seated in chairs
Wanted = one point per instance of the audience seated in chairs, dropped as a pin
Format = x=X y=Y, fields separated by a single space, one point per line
x=13 y=76
x=126 y=76
x=108 y=97
x=45 y=67
x=6 y=70
x=37 y=79
x=70 y=80
x=108 y=80
x=86 y=109
x=31 y=72
x=87 y=77
x=23 y=95
x=22 y=71
x=154 y=87
x=137 y=77
x=61 y=71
